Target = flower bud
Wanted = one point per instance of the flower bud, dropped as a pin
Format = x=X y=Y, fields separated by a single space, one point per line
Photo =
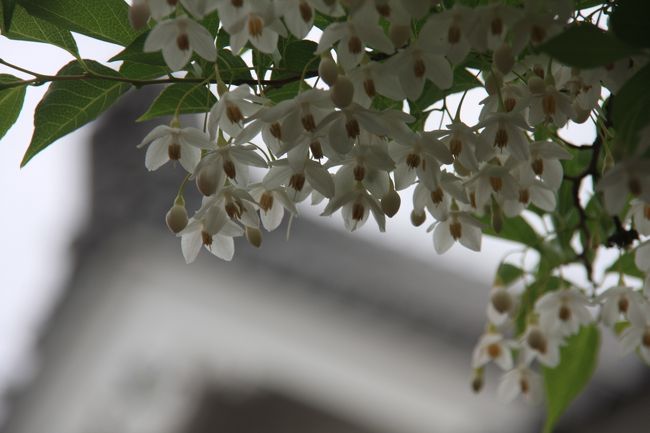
x=536 y=85
x=254 y=236
x=139 y=15
x=176 y=218
x=399 y=35
x=418 y=218
x=502 y=301
x=328 y=71
x=342 y=92
x=581 y=115
x=503 y=58
x=493 y=83
x=207 y=180
x=390 y=203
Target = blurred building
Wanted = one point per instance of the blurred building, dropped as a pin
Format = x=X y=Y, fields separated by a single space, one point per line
x=319 y=334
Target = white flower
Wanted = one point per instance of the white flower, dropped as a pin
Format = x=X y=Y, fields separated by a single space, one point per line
x=418 y=155
x=230 y=161
x=531 y=190
x=176 y=144
x=451 y=28
x=551 y=105
x=544 y=161
x=298 y=16
x=503 y=304
x=353 y=36
x=232 y=109
x=272 y=204
x=539 y=344
x=493 y=181
x=290 y=118
x=505 y=132
x=298 y=171
x=418 y=62
x=367 y=162
x=199 y=8
x=214 y=230
x=461 y=227
x=642 y=261
x=372 y=79
x=178 y=38
x=637 y=335
x=640 y=213
x=355 y=204
x=254 y=21
x=627 y=176
x=492 y=346
x=491 y=25
x=463 y=143
x=563 y=311
x=521 y=380
x=617 y=301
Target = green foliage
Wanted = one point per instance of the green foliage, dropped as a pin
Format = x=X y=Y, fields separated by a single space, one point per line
x=134 y=52
x=625 y=265
x=11 y=102
x=507 y=274
x=626 y=24
x=586 y=46
x=106 y=20
x=26 y=27
x=286 y=91
x=8 y=8
x=515 y=229
x=463 y=80
x=141 y=71
x=563 y=383
x=68 y=105
x=297 y=57
x=181 y=98
x=631 y=109
x=232 y=68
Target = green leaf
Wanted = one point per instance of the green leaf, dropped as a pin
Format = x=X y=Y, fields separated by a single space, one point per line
x=134 y=52
x=106 y=19
x=625 y=264
x=514 y=229
x=140 y=71
x=297 y=57
x=563 y=383
x=629 y=21
x=25 y=27
x=8 y=8
x=181 y=98
x=68 y=105
x=631 y=109
x=463 y=80
x=586 y=46
x=285 y=92
x=11 y=102
x=507 y=274
x=232 y=68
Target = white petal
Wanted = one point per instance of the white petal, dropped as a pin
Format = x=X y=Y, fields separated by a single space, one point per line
x=442 y=239
x=222 y=247
x=157 y=154
x=201 y=41
x=320 y=179
x=191 y=245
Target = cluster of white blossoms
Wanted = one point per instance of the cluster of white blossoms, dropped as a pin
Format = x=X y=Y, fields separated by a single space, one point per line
x=329 y=143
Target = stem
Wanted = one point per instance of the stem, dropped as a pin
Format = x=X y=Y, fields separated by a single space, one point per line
x=89 y=76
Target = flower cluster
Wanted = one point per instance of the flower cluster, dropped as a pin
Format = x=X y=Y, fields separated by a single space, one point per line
x=335 y=142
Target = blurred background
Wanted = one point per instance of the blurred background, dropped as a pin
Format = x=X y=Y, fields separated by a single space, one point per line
x=105 y=329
